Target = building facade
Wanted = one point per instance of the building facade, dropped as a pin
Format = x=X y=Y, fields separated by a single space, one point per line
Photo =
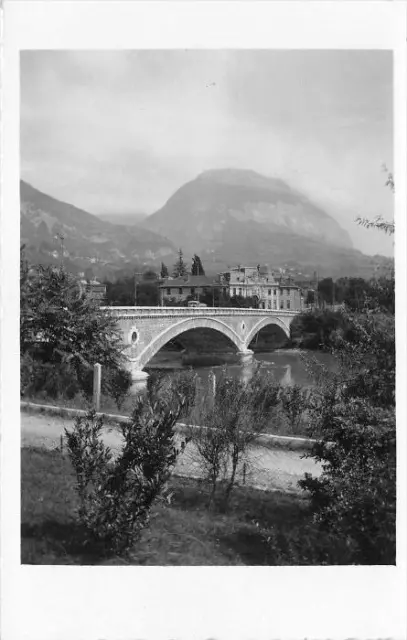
x=187 y=287
x=261 y=284
x=269 y=290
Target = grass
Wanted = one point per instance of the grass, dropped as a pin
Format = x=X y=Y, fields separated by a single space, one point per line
x=181 y=533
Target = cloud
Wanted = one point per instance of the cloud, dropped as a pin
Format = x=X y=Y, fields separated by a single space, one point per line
x=121 y=131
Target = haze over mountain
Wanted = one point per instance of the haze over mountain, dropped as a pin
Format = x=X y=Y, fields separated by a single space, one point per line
x=88 y=240
x=232 y=216
x=129 y=219
x=226 y=216
x=321 y=120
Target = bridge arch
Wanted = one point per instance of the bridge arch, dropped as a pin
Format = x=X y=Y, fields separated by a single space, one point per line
x=185 y=325
x=265 y=322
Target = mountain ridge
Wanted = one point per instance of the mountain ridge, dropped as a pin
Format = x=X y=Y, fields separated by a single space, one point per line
x=87 y=240
x=221 y=196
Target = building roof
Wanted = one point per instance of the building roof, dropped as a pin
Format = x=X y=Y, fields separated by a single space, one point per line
x=188 y=281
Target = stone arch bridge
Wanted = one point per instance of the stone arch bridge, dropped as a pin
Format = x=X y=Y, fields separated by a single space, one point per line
x=147 y=329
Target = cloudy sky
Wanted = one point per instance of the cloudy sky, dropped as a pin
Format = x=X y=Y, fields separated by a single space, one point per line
x=121 y=131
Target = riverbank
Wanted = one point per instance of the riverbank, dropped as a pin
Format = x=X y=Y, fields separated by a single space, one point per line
x=269 y=465
x=259 y=527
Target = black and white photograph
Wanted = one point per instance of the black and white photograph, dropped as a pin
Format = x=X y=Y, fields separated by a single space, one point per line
x=207 y=308
x=207 y=257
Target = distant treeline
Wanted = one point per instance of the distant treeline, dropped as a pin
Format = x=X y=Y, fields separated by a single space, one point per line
x=354 y=292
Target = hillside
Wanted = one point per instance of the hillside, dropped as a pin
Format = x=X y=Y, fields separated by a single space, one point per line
x=88 y=240
x=233 y=216
x=128 y=219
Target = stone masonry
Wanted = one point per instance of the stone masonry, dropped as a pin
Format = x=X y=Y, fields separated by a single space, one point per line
x=147 y=329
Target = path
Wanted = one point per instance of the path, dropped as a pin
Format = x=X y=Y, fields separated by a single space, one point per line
x=273 y=469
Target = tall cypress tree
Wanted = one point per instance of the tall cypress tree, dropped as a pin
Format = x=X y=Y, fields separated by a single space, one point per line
x=180 y=268
x=197 y=268
x=164 y=271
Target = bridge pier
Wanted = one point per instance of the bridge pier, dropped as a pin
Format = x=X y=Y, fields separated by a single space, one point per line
x=138 y=378
x=245 y=355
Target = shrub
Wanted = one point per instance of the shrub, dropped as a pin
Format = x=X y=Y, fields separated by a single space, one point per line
x=352 y=414
x=117 y=493
x=116 y=383
x=356 y=494
x=231 y=419
x=294 y=403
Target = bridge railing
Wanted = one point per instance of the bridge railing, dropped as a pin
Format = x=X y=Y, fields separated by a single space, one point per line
x=198 y=311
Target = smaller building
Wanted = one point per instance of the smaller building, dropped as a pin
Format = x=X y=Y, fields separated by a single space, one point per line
x=94 y=290
x=186 y=288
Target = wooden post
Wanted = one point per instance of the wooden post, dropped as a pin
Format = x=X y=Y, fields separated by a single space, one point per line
x=97 y=379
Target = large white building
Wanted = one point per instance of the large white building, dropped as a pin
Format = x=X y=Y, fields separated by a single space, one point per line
x=271 y=291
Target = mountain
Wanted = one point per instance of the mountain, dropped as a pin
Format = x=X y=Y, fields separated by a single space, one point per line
x=128 y=219
x=231 y=216
x=88 y=241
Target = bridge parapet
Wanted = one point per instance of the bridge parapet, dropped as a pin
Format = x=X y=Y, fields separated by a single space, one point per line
x=197 y=312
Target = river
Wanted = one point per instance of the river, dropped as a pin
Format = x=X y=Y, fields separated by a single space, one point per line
x=286 y=365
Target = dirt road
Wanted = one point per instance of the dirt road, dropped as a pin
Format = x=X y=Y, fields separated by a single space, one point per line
x=273 y=469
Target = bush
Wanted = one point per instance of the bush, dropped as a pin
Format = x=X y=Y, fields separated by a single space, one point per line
x=356 y=495
x=294 y=403
x=117 y=493
x=232 y=416
x=116 y=383
x=352 y=415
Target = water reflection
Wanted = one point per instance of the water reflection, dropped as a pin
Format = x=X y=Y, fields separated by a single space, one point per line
x=286 y=366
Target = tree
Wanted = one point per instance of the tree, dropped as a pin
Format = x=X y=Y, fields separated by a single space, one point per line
x=164 y=271
x=379 y=222
x=64 y=329
x=116 y=493
x=150 y=276
x=197 y=268
x=352 y=416
x=180 y=268
x=326 y=290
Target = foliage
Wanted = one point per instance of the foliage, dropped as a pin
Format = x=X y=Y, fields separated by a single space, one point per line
x=352 y=415
x=358 y=293
x=294 y=403
x=234 y=414
x=356 y=494
x=120 y=293
x=125 y=292
x=314 y=329
x=180 y=268
x=61 y=325
x=164 y=271
x=379 y=222
x=117 y=493
x=197 y=268
x=116 y=383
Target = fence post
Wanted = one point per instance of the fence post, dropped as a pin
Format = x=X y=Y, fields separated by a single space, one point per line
x=97 y=378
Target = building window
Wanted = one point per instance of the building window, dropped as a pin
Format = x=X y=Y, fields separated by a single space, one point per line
x=275 y=304
x=269 y=304
x=234 y=291
x=275 y=291
x=282 y=304
x=192 y=291
x=288 y=304
x=269 y=292
x=240 y=292
x=168 y=291
x=180 y=291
